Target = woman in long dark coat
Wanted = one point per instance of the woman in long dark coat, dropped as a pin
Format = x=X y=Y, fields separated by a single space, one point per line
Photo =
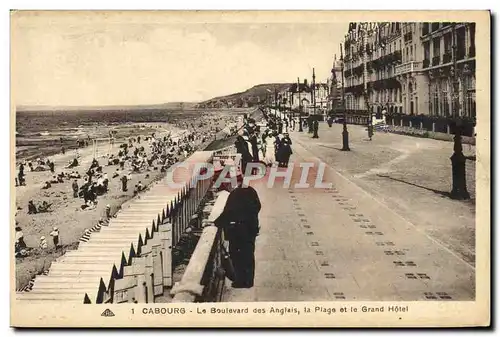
x=284 y=152
x=242 y=148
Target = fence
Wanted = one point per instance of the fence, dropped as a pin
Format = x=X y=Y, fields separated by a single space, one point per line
x=431 y=124
x=421 y=132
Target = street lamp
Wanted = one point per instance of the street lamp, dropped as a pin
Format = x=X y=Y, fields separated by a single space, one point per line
x=315 y=118
x=345 y=133
x=275 y=102
x=300 y=107
x=459 y=189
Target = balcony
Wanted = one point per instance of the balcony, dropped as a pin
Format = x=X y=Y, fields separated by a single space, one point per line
x=472 y=51
x=447 y=57
x=436 y=60
x=426 y=63
x=408 y=67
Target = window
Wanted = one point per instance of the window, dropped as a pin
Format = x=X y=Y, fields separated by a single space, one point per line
x=436 y=46
x=427 y=50
x=447 y=43
x=411 y=53
x=472 y=32
x=470 y=97
x=425 y=28
x=460 y=40
x=435 y=100
x=445 y=102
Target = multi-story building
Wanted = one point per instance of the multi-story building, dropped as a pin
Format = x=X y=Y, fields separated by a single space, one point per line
x=437 y=44
x=372 y=52
x=321 y=98
x=407 y=68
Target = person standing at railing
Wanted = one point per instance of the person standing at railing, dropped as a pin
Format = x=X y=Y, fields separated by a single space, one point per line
x=242 y=148
x=240 y=222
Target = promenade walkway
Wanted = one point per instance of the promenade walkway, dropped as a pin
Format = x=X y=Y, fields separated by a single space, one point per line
x=342 y=244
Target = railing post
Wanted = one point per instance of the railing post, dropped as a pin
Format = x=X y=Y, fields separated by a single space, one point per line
x=148 y=272
x=157 y=268
x=141 y=294
x=166 y=250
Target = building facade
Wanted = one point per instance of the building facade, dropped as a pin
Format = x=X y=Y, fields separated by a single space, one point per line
x=299 y=96
x=437 y=65
x=335 y=87
x=407 y=68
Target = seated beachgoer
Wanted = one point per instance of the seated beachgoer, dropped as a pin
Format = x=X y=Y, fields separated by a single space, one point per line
x=47 y=185
x=44 y=207
x=43 y=243
x=32 y=208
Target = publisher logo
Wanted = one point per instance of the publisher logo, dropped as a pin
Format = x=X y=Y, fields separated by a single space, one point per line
x=107 y=313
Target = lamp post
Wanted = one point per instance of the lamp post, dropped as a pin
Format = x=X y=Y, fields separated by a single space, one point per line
x=459 y=188
x=300 y=107
x=315 y=118
x=345 y=133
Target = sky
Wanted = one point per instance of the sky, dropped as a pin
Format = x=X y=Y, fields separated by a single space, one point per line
x=100 y=60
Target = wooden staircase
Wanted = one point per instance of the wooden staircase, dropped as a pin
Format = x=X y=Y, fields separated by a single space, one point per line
x=130 y=260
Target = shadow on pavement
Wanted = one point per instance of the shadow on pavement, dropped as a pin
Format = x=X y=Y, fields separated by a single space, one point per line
x=333 y=148
x=441 y=193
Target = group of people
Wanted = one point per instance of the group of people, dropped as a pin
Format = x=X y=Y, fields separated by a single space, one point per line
x=21 y=249
x=240 y=217
x=269 y=146
x=140 y=154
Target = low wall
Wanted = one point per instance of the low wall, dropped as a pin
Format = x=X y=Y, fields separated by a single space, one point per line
x=417 y=132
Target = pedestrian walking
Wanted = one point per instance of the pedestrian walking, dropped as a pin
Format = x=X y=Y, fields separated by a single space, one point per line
x=242 y=148
x=108 y=211
x=55 y=237
x=285 y=151
x=75 y=188
x=124 y=183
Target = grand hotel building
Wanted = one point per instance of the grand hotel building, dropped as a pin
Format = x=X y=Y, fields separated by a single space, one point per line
x=408 y=68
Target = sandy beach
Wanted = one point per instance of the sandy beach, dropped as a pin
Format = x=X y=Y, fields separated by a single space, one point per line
x=65 y=211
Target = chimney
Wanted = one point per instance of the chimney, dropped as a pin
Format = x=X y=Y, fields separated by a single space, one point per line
x=305 y=82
